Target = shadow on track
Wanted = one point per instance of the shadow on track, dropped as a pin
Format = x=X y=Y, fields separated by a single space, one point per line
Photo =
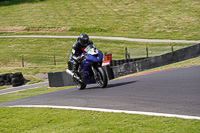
x=113 y=85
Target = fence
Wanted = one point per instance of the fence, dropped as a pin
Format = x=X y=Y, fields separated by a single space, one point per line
x=33 y=60
x=41 y=60
x=149 y=51
x=141 y=64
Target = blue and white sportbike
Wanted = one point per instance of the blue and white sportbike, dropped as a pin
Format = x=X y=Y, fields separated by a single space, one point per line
x=90 y=69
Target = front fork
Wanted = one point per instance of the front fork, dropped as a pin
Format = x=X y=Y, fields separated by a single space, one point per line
x=94 y=69
x=95 y=72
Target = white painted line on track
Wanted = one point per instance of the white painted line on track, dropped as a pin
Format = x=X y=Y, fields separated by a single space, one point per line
x=110 y=110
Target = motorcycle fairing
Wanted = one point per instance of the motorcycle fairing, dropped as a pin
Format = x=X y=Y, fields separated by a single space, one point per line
x=86 y=73
x=86 y=67
x=93 y=58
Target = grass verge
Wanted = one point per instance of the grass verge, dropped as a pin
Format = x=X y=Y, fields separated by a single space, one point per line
x=28 y=93
x=28 y=80
x=37 y=120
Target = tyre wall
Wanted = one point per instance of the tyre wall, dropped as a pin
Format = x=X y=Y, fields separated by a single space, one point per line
x=14 y=79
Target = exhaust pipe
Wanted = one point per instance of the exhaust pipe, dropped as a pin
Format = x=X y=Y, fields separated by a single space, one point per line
x=70 y=72
x=73 y=75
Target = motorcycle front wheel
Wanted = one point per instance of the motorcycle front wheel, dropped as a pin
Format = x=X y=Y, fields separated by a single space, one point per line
x=79 y=84
x=102 y=79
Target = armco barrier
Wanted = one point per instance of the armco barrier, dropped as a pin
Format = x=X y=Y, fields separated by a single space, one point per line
x=62 y=78
x=157 y=61
x=119 y=68
x=121 y=62
x=59 y=79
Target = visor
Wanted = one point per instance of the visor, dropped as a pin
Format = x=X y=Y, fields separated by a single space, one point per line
x=84 y=42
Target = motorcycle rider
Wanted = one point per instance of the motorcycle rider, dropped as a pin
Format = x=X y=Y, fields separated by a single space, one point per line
x=77 y=49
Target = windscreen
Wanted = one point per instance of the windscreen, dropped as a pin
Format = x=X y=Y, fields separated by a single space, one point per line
x=87 y=49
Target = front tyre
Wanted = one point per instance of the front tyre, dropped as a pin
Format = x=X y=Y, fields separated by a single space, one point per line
x=81 y=86
x=102 y=79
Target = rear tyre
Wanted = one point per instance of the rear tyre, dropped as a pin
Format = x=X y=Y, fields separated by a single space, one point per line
x=17 y=74
x=18 y=84
x=102 y=79
x=16 y=81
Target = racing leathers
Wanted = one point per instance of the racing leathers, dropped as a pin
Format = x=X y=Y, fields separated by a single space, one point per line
x=77 y=50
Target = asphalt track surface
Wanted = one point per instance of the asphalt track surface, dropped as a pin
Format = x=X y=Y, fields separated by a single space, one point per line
x=173 y=91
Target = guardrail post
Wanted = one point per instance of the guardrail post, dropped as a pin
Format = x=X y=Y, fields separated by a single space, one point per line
x=126 y=53
x=22 y=61
x=147 y=52
x=129 y=56
x=54 y=60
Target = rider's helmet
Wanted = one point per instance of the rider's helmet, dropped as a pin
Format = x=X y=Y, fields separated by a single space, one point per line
x=84 y=39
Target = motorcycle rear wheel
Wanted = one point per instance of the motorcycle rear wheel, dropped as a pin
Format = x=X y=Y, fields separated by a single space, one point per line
x=102 y=80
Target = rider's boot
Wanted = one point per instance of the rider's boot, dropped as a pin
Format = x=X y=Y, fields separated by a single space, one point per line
x=76 y=75
x=75 y=71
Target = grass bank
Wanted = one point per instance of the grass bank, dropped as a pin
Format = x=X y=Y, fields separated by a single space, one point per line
x=31 y=92
x=172 y=19
x=40 y=54
x=28 y=80
x=74 y=121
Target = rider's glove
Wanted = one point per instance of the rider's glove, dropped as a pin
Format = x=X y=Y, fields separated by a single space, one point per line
x=79 y=59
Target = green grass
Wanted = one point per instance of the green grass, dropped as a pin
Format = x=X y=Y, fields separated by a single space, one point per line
x=158 y=19
x=172 y=19
x=30 y=92
x=32 y=80
x=3 y=87
x=28 y=80
x=74 y=121
x=38 y=53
